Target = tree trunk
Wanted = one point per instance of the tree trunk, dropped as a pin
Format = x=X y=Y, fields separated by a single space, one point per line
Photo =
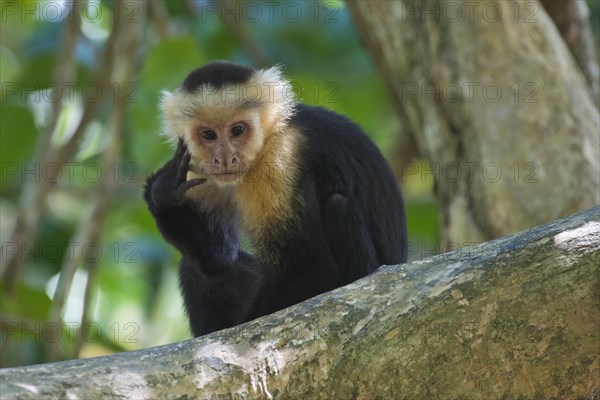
x=572 y=18
x=516 y=317
x=497 y=106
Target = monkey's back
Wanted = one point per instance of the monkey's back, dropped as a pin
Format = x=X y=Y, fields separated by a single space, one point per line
x=343 y=159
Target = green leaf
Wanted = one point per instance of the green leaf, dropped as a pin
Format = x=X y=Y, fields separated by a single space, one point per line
x=169 y=62
x=17 y=140
x=165 y=68
x=26 y=302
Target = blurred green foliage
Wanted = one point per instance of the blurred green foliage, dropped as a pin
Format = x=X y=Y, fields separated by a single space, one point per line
x=136 y=301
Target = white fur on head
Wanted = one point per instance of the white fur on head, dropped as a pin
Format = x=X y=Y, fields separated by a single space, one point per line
x=266 y=90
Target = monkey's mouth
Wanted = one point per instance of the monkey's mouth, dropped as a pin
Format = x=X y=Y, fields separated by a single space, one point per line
x=227 y=176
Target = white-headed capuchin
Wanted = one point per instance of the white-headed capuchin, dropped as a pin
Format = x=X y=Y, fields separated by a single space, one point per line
x=304 y=185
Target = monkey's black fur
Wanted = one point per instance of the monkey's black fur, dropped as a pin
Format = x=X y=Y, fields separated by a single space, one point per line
x=216 y=74
x=348 y=220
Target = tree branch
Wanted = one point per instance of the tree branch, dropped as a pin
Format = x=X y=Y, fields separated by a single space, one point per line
x=33 y=195
x=572 y=18
x=513 y=317
x=28 y=220
x=438 y=69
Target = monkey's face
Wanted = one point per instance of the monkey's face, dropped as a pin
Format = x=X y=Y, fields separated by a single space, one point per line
x=225 y=150
x=226 y=126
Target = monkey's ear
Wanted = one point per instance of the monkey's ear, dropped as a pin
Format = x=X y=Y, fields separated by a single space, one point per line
x=172 y=128
x=277 y=93
x=273 y=74
x=273 y=77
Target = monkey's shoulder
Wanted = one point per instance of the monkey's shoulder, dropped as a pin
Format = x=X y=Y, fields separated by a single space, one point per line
x=326 y=123
x=336 y=151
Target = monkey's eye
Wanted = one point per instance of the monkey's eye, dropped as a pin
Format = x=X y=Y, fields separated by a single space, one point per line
x=208 y=134
x=238 y=129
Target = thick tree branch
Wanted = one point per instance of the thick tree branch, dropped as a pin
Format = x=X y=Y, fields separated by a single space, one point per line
x=483 y=93
x=572 y=18
x=510 y=318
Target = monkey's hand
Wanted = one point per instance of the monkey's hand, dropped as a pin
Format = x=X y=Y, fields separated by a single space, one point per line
x=206 y=241
x=165 y=195
x=166 y=188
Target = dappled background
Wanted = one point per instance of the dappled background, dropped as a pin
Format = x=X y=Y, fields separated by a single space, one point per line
x=128 y=271
x=84 y=270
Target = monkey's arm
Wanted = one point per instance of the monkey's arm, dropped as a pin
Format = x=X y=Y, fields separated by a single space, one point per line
x=336 y=249
x=218 y=280
x=348 y=237
x=223 y=300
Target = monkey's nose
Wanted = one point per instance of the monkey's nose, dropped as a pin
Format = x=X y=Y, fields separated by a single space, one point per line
x=229 y=162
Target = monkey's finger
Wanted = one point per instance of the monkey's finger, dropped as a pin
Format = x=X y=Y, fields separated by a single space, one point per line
x=183 y=166
x=172 y=166
x=181 y=149
x=191 y=183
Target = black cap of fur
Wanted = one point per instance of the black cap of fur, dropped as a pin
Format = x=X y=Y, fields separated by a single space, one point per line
x=216 y=74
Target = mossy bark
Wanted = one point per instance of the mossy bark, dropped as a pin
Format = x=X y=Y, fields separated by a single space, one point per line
x=517 y=317
x=497 y=106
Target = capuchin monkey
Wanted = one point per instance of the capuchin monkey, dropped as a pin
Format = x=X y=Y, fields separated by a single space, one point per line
x=303 y=185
